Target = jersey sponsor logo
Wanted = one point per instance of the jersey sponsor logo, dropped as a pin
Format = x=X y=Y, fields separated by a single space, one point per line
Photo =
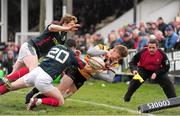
x=56 y=53
x=45 y=40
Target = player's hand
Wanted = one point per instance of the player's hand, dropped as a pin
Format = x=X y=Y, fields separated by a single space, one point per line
x=153 y=76
x=78 y=53
x=135 y=72
x=74 y=27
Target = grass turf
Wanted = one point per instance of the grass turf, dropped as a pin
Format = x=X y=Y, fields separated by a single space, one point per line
x=92 y=99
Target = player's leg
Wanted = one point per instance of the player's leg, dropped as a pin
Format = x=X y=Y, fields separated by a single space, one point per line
x=18 y=64
x=26 y=81
x=27 y=57
x=53 y=95
x=69 y=92
x=54 y=98
x=18 y=84
x=167 y=85
x=134 y=85
x=23 y=52
x=31 y=61
x=13 y=76
x=30 y=58
x=69 y=84
x=65 y=84
x=75 y=79
x=17 y=74
x=66 y=87
x=43 y=83
x=30 y=94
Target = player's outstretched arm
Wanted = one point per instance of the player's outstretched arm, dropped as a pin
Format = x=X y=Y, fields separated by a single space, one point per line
x=57 y=28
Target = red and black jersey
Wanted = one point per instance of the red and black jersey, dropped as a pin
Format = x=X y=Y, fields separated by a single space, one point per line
x=157 y=63
x=46 y=40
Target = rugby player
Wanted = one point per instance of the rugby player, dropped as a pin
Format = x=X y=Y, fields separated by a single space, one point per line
x=58 y=58
x=74 y=77
x=55 y=33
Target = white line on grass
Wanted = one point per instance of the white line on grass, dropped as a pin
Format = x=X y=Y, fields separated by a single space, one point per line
x=99 y=104
x=108 y=106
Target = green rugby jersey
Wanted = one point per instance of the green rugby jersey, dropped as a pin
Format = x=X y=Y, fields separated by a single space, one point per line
x=46 y=40
x=59 y=58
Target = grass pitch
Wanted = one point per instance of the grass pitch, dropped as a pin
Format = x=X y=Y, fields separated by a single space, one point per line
x=94 y=98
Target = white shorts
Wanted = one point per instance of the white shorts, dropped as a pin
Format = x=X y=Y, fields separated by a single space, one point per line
x=26 y=50
x=40 y=79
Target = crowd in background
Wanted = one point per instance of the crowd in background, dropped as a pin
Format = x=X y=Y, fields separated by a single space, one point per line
x=131 y=35
x=137 y=36
x=8 y=56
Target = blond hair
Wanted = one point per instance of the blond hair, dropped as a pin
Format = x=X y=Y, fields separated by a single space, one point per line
x=123 y=51
x=67 y=18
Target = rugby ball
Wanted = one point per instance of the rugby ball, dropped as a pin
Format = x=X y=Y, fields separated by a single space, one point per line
x=97 y=63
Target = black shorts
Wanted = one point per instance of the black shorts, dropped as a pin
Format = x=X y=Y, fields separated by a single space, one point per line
x=76 y=76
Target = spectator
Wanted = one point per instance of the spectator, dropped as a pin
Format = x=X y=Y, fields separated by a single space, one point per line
x=121 y=32
x=142 y=40
x=91 y=42
x=142 y=27
x=128 y=40
x=148 y=28
x=177 y=25
x=1 y=61
x=135 y=38
x=171 y=38
x=98 y=39
x=159 y=36
x=9 y=61
x=2 y=46
x=153 y=27
x=151 y=63
x=161 y=25
x=112 y=38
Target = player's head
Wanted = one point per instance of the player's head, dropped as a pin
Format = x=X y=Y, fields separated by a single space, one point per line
x=118 y=52
x=71 y=43
x=68 y=20
x=152 y=46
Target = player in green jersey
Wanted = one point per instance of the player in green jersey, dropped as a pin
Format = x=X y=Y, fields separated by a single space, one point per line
x=57 y=59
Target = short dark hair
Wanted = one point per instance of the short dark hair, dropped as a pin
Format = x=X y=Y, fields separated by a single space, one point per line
x=71 y=43
x=153 y=41
x=160 y=18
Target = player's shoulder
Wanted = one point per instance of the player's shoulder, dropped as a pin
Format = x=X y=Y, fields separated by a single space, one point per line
x=102 y=47
x=63 y=47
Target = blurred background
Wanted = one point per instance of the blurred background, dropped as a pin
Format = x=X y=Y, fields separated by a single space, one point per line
x=110 y=22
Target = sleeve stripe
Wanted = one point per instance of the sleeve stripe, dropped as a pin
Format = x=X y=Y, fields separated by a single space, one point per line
x=80 y=62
